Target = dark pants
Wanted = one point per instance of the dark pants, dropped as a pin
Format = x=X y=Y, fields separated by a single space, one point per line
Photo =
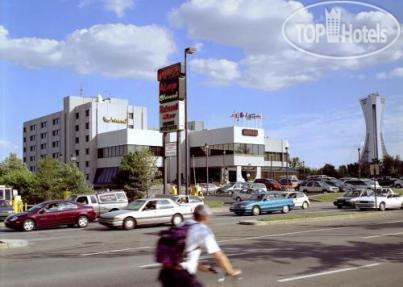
x=177 y=278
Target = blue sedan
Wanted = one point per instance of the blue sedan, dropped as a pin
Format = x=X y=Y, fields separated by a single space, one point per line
x=259 y=204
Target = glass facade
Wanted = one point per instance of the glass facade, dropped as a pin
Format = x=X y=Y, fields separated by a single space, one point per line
x=275 y=156
x=121 y=150
x=234 y=148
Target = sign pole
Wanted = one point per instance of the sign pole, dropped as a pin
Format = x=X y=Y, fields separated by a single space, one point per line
x=178 y=160
x=164 y=163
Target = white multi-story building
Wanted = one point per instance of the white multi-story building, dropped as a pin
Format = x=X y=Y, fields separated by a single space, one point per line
x=374 y=147
x=71 y=134
x=95 y=133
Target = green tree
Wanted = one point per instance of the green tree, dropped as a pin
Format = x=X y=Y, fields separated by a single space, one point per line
x=14 y=173
x=137 y=172
x=343 y=171
x=329 y=170
x=53 y=178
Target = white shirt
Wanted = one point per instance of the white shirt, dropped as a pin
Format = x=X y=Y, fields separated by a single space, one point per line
x=199 y=237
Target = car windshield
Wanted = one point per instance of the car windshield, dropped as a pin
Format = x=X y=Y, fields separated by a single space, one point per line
x=256 y=197
x=330 y=183
x=228 y=185
x=352 y=193
x=35 y=207
x=135 y=205
x=4 y=203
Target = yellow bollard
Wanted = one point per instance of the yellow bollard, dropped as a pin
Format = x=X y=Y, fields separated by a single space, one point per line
x=174 y=191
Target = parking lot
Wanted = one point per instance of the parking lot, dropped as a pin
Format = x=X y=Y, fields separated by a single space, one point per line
x=332 y=252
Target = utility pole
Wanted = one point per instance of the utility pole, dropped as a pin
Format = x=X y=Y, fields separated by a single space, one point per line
x=359 y=165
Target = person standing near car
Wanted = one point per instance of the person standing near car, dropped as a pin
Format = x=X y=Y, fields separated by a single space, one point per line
x=199 y=237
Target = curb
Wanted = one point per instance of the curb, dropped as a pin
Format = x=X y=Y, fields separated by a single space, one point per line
x=12 y=243
x=296 y=220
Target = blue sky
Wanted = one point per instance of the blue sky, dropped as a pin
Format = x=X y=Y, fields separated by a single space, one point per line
x=48 y=48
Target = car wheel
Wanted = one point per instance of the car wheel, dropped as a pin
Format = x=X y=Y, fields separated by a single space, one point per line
x=256 y=210
x=239 y=213
x=285 y=209
x=382 y=206
x=176 y=219
x=28 y=225
x=398 y=186
x=238 y=199
x=305 y=191
x=305 y=205
x=71 y=225
x=129 y=223
x=340 y=206
x=82 y=221
x=324 y=191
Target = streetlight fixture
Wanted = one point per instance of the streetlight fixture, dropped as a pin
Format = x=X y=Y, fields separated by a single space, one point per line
x=206 y=147
x=187 y=51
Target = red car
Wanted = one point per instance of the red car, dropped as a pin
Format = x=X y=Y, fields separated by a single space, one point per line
x=50 y=214
x=271 y=184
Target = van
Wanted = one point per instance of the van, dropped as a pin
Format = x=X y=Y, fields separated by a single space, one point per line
x=102 y=202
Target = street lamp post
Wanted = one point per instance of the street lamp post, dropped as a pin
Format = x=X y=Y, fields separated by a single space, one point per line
x=186 y=52
x=303 y=169
x=359 y=166
x=206 y=147
x=223 y=163
x=286 y=164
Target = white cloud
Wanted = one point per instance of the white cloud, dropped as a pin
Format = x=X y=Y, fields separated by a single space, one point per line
x=395 y=73
x=254 y=26
x=218 y=71
x=114 y=50
x=118 y=7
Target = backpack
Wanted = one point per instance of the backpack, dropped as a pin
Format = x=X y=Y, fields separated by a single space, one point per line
x=171 y=246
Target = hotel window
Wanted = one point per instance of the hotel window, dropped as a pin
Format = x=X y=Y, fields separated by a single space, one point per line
x=43 y=125
x=55 y=144
x=55 y=122
x=32 y=127
x=24 y=129
x=43 y=135
x=55 y=133
x=77 y=152
x=32 y=138
x=87 y=126
x=77 y=140
x=78 y=164
x=87 y=138
x=25 y=149
x=55 y=155
x=87 y=176
x=32 y=158
x=87 y=164
x=25 y=159
x=77 y=128
x=24 y=140
x=87 y=151
x=43 y=146
x=87 y=113
x=77 y=116
x=32 y=148
x=43 y=156
x=131 y=116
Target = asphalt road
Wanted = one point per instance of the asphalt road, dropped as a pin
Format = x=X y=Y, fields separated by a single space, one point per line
x=336 y=252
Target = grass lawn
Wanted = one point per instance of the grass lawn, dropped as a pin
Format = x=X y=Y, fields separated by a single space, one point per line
x=326 y=197
x=398 y=190
x=214 y=203
x=309 y=215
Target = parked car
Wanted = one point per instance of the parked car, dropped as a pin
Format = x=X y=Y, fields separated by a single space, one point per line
x=266 y=203
x=245 y=194
x=230 y=188
x=291 y=181
x=386 y=199
x=362 y=183
x=386 y=181
x=398 y=183
x=299 y=198
x=5 y=209
x=184 y=200
x=259 y=186
x=50 y=214
x=271 y=184
x=347 y=199
x=286 y=184
x=146 y=211
x=102 y=202
x=212 y=188
x=317 y=186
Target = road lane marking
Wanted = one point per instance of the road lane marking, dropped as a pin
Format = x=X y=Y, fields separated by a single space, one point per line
x=382 y=235
x=328 y=272
x=116 y=250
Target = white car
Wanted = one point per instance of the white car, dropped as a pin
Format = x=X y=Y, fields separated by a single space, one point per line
x=299 y=198
x=211 y=188
x=398 y=183
x=190 y=201
x=146 y=211
x=385 y=200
